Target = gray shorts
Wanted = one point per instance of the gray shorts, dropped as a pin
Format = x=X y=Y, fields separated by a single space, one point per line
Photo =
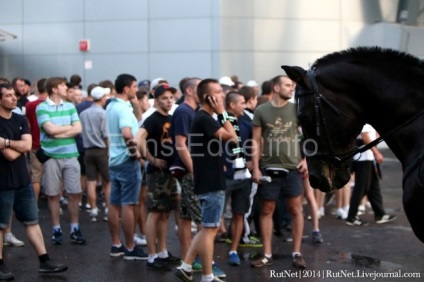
x=58 y=170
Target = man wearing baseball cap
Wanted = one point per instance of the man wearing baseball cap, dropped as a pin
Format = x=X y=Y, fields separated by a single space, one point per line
x=156 y=146
x=95 y=140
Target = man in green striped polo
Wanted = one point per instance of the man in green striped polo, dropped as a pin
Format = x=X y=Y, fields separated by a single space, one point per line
x=59 y=124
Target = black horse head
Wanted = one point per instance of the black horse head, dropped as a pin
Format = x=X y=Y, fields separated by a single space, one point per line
x=344 y=90
x=327 y=143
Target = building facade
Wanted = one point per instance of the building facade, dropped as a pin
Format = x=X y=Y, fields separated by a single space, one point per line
x=178 y=38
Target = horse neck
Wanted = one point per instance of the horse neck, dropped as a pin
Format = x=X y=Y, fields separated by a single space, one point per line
x=385 y=103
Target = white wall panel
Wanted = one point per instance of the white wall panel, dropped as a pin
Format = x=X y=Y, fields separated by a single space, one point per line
x=52 y=38
x=117 y=36
x=41 y=11
x=295 y=35
x=11 y=12
x=109 y=66
x=180 y=35
x=238 y=63
x=174 y=66
x=173 y=9
x=299 y=9
x=237 y=34
x=101 y=10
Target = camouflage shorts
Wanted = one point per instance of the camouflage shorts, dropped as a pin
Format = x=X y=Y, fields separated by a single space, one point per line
x=161 y=192
x=189 y=205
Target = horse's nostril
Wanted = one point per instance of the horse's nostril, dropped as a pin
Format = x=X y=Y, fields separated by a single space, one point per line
x=315 y=181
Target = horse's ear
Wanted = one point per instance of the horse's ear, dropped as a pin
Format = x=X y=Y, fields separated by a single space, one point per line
x=297 y=74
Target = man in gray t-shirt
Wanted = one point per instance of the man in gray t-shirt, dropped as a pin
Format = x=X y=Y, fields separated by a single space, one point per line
x=275 y=131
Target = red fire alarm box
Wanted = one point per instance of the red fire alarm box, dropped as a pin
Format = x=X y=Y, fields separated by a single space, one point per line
x=84 y=45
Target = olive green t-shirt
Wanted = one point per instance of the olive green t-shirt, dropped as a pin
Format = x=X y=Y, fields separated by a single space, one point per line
x=281 y=142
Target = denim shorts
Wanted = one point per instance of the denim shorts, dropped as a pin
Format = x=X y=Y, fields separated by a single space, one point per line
x=23 y=203
x=125 y=183
x=212 y=207
x=289 y=186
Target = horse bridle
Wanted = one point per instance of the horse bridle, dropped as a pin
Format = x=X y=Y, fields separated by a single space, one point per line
x=325 y=152
x=336 y=160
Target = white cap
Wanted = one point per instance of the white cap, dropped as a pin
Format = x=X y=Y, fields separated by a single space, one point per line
x=155 y=82
x=98 y=92
x=225 y=80
x=252 y=83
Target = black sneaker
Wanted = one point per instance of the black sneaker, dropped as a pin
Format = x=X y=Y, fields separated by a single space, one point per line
x=5 y=274
x=184 y=275
x=51 y=267
x=57 y=237
x=117 y=251
x=77 y=238
x=135 y=254
x=170 y=259
x=356 y=222
x=158 y=265
x=385 y=218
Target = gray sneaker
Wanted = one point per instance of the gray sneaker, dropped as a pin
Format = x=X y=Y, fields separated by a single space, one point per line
x=317 y=238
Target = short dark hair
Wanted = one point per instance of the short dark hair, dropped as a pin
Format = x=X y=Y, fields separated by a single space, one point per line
x=4 y=80
x=90 y=87
x=190 y=83
x=69 y=85
x=122 y=81
x=276 y=80
x=142 y=91
x=266 y=88
x=231 y=97
x=107 y=84
x=53 y=82
x=41 y=85
x=247 y=92
x=203 y=87
x=75 y=80
x=182 y=84
x=5 y=86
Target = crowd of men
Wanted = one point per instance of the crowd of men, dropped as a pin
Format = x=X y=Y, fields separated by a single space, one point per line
x=154 y=151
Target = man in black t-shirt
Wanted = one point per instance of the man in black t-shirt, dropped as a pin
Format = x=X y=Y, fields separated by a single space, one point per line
x=15 y=184
x=182 y=168
x=156 y=147
x=205 y=140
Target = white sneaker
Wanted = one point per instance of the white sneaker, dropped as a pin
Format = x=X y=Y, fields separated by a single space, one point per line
x=105 y=217
x=10 y=240
x=193 y=228
x=361 y=210
x=341 y=214
x=140 y=240
x=321 y=212
x=93 y=214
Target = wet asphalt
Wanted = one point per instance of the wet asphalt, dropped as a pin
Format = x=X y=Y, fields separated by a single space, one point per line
x=377 y=252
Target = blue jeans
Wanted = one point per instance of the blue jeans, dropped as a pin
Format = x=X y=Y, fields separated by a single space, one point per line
x=212 y=207
x=125 y=183
x=23 y=203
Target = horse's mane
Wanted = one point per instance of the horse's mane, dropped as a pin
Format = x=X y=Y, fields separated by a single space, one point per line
x=371 y=55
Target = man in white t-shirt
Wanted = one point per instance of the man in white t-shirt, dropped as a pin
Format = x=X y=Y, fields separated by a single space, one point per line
x=367 y=181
